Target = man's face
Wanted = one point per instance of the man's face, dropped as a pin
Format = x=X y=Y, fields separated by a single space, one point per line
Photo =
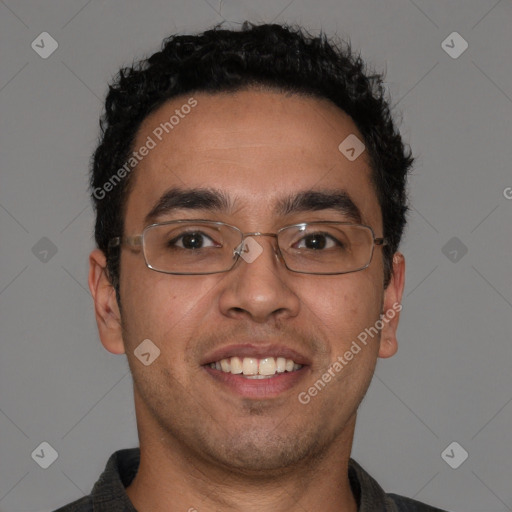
x=256 y=148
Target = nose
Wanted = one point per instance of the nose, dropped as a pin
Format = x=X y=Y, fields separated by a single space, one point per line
x=259 y=286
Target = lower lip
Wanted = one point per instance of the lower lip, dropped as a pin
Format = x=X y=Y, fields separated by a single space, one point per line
x=258 y=388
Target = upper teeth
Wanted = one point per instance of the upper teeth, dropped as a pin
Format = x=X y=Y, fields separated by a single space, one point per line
x=252 y=366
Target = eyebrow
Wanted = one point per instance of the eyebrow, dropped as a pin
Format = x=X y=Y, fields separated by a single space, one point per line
x=215 y=200
x=316 y=200
x=205 y=199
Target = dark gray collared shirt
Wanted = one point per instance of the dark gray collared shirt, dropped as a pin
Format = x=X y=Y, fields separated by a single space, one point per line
x=109 y=494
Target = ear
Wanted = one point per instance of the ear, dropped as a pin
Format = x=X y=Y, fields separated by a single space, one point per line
x=392 y=307
x=107 y=312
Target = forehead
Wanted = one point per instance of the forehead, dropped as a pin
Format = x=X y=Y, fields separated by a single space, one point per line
x=256 y=146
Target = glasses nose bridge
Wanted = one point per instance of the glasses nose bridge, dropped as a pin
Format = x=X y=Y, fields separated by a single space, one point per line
x=258 y=233
x=277 y=249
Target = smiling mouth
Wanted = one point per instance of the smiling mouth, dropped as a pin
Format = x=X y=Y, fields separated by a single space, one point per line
x=255 y=368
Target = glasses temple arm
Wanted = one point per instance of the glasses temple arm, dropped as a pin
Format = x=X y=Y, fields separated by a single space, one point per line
x=128 y=240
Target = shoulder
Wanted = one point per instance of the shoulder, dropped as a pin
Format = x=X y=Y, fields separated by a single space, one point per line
x=108 y=493
x=404 y=504
x=82 y=505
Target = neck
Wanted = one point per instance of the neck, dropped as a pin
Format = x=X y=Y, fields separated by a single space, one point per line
x=171 y=478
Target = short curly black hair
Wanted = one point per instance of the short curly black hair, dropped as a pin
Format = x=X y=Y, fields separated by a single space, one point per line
x=281 y=57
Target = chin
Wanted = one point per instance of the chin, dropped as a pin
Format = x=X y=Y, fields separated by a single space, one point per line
x=265 y=452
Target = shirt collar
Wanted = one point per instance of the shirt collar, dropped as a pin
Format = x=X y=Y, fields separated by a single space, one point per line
x=109 y=493
x=369 y=494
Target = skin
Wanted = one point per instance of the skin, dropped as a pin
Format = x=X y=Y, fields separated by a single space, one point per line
x=202 y=446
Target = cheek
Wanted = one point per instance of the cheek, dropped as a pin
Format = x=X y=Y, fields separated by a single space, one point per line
x=346 y=306
x=163 y=308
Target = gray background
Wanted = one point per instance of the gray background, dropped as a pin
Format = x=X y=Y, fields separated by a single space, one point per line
x=451 y=379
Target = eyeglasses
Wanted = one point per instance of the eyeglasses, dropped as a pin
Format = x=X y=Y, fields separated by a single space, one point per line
x=196 y=247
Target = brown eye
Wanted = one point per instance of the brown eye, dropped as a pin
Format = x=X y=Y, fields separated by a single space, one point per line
x=317 y=241
x=193 y=240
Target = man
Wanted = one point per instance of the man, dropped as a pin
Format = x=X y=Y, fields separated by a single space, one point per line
x=250 y=197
